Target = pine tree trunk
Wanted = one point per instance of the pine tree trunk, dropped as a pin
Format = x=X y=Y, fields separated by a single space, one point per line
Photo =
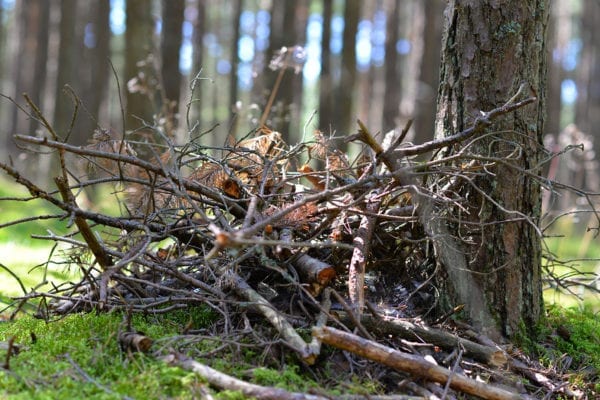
x=170 y=45
x=138 y=45
x=488 y=52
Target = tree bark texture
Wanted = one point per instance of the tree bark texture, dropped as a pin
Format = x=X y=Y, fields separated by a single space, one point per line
x=490 y=48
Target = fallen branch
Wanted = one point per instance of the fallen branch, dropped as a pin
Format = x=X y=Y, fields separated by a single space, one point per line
x=224 y=381
x=415 y=365
x=291 y=337
x=493 y=356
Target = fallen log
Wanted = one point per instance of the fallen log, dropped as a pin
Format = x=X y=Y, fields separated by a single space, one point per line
x=414 y=365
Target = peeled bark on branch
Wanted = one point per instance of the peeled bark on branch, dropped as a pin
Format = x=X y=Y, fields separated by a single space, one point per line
x=414 y=365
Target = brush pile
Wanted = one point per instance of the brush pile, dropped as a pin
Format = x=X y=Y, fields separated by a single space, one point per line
x=299 y=236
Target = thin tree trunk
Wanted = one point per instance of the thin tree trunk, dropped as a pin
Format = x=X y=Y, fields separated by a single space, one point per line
x=283 y=34
x=233 y=75
x=429 y=71
x=139 y=78
x=198 y=65
x=393 y=76
x=488 y=52
x=587 y=112
x=345 y=116
x=30 y=63
x=171 y=38
x=325 y=81
x=64 y=106
x=100 y=59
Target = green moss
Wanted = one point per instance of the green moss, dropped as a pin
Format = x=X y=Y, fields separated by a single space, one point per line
x=78 y=357
x=575 y=332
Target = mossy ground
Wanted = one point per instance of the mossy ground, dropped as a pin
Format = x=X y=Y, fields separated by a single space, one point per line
x=78 y=357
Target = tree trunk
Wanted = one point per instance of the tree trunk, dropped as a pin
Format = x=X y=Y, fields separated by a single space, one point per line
x=99 y=68
x=326 y=80
x=488 y=52
x=345 y=116
x=282 y=34
x=393 y=76
x=170 y=45
x=30 y=63
x=587 y=112
x=197 y=65
x=64 y=106
x=233 y=74
x=139 y=76
x=429 y=71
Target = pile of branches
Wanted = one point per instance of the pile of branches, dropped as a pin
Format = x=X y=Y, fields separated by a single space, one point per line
x=292 y=235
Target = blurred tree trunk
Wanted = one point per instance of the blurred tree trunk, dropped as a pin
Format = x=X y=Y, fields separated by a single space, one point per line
x=64 y=101
x=587 y=111
x=428 y=80
x=283 y=34
x=170 y=46
x=488 y=53
x=99 y=68
x=555 y=69
x=296 y=125
x=198 y=64
x=393 y=80
x=233 y=74
x=345 y=117
x=30 y=63
x=326 y=80
x=139 y=82
x=414 y=20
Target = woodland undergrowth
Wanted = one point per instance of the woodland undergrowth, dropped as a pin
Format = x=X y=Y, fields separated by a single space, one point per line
x=289 y=246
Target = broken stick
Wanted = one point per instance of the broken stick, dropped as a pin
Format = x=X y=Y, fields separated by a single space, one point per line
x=410 y=363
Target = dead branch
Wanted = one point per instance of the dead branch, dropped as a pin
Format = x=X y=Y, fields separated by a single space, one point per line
x=412 y=364
x=228 y=382
x=101 y=256
x=493 y=356
x=270 y=313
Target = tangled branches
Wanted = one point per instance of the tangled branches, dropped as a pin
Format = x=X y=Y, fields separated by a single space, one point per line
x=263 y=227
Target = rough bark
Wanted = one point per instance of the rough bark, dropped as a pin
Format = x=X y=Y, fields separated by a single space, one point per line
x=488 y=52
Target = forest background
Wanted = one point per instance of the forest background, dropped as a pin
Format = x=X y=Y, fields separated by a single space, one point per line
x=206 y=64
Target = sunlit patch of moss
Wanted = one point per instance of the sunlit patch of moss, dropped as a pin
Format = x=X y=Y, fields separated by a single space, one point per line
x=78 y=357
x=577 y=334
